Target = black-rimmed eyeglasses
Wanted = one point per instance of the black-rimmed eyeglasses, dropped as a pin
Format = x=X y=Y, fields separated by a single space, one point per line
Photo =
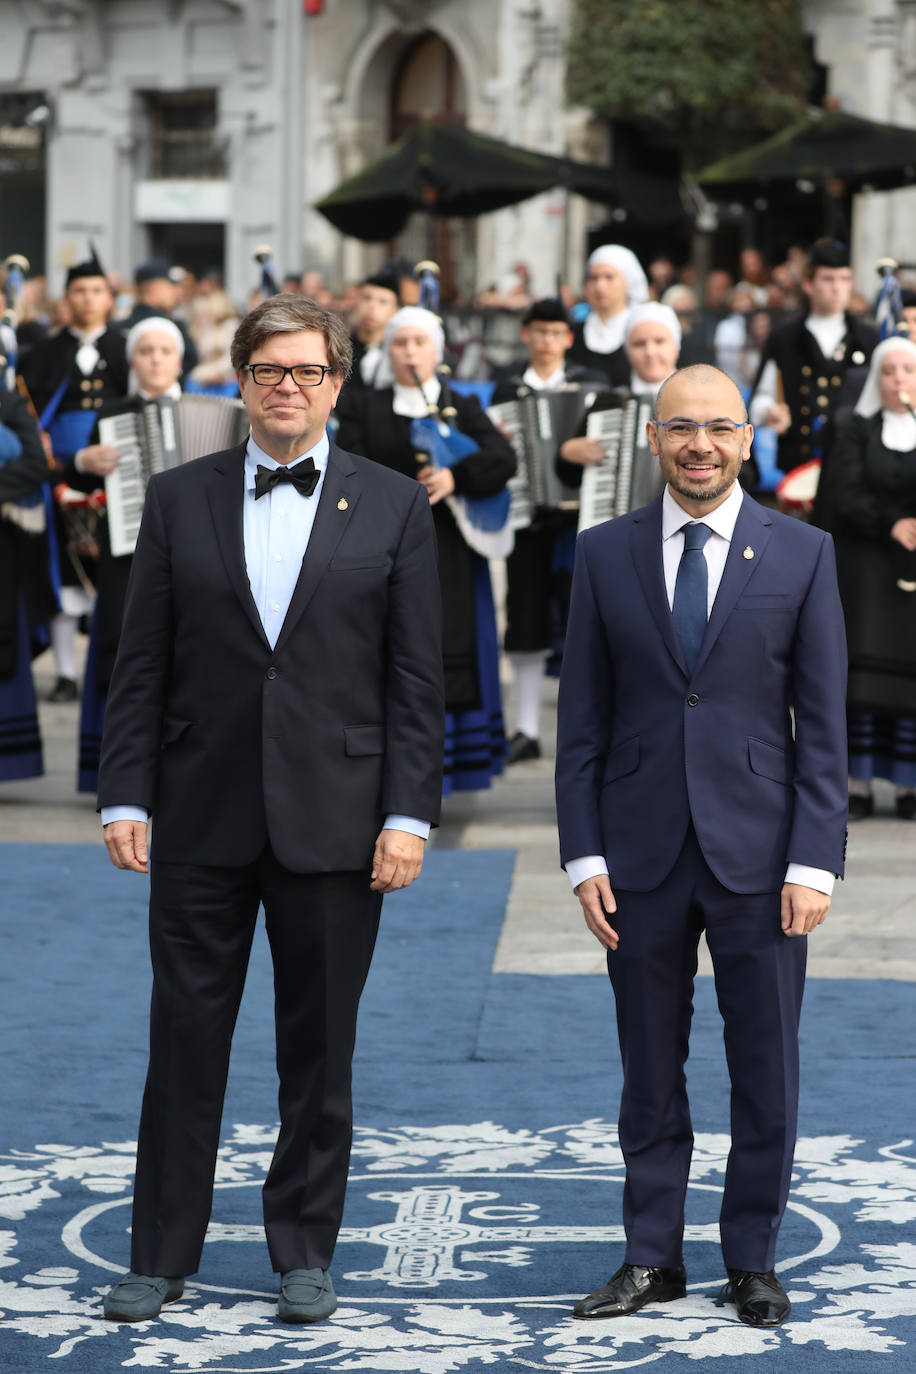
x=685 y=431
x=272 y=374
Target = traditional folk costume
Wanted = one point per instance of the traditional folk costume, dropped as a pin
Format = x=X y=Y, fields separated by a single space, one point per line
x=378 y=424
x=873 y=484
x=600 y=345
x=70 y=377
x=25 y=594
x=112 y=573
x=539 y=568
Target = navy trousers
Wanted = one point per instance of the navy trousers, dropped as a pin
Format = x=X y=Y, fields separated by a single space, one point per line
x=322 y=929
x=759 y=975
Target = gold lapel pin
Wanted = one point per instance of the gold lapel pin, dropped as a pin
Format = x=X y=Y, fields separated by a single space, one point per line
x=342 y=503
x=749 y=552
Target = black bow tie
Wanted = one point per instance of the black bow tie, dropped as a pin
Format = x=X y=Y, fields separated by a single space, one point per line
x=304 y=477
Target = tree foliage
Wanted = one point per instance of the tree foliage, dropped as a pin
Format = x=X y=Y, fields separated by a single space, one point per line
x=706 y=70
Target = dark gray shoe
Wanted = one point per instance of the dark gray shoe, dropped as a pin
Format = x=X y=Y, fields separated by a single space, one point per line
x=139 y=1297
x=306 y=1295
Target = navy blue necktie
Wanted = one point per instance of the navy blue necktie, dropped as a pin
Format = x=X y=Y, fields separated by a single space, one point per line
x=690 y=591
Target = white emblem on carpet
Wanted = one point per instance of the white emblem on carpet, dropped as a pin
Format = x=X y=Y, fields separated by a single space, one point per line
x=460 y=1205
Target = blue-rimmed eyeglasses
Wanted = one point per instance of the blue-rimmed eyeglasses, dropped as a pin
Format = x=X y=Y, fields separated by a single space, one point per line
x=272 y=374
x=685 y=431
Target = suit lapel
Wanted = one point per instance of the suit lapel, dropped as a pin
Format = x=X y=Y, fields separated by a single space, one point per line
x=336 y=504
x=646 y=547
x=752 y=531
x=226 y=494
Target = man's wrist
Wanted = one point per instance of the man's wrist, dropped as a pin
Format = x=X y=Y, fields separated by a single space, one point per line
x=818 y=878
x=580 y=870
x=124 y=813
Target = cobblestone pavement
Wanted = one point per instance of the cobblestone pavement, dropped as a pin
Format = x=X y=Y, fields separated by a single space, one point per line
x=870 y=932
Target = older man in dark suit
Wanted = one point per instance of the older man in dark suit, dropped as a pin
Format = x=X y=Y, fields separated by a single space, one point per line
x=701 y=785
x=277 y=706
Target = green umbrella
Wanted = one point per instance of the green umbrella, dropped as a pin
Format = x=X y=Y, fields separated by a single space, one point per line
x=821 y=146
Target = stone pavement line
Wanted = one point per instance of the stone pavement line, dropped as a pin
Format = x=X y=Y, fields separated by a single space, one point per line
x=869 y=933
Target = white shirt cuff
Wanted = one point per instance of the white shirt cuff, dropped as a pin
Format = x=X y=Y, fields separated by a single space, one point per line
x=124 y=813
x=818 y=878
x=409 y=824
x=577 y=870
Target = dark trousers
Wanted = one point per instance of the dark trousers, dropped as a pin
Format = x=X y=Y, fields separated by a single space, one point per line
x=759 y=975
x=322 y=930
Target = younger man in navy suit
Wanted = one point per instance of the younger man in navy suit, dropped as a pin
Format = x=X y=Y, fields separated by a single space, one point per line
x=701 y=762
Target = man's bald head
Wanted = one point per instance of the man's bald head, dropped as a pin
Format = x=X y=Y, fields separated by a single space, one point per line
x=676 y=390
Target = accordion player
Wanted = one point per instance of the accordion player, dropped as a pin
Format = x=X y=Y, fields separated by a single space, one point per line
x=154 y=427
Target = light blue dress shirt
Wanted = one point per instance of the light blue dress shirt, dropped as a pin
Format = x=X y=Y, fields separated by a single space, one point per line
x=276 y=531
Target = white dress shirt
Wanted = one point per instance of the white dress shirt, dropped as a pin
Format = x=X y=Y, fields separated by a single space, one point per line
x=722 y=523
x=276 y=530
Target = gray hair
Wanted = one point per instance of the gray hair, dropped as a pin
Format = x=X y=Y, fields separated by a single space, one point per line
x=291 y=314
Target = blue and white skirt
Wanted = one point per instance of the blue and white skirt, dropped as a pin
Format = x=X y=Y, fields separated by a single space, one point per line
x=20 y=739
x=475 y=741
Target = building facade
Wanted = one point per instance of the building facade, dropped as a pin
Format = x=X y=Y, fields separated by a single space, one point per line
x=200 y=129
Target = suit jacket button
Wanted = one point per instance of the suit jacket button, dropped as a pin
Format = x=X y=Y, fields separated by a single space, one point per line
x=271 y=673
x=693 y=699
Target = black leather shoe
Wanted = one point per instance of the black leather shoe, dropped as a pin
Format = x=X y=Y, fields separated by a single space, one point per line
x=905 y=806
x=64 y=689
x=632 y=1287
x=522 y=747
x=860 y=807
x=760 y=1298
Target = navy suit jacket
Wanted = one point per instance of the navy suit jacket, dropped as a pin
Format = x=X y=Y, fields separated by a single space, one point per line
x=229 y=742
x=643 y=748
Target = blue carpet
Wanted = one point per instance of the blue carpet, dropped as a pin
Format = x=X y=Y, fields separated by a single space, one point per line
x=485 y=1187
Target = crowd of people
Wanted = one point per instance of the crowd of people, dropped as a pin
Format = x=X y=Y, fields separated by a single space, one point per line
x=794 y=336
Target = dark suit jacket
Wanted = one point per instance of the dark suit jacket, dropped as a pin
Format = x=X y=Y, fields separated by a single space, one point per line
x=643 y=749
x=230 y=743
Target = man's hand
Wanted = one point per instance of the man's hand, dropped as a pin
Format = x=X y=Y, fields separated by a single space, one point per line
x=778 y=417
x=598 y=903
x=397 y=860
x=127 y=843
x=438 y=482
x=803 y=908
x=904 y=531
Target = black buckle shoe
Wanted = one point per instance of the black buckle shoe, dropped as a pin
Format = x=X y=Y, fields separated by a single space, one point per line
x=760 y=1298
x=632 y=1287
x=521 y=748
x=64 y=689
x=861 y=806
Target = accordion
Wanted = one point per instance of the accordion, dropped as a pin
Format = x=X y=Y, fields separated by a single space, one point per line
x=628 y=476
x=536 y=424
x=161 y=434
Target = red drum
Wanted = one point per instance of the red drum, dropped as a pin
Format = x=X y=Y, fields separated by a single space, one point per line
x=798 y=488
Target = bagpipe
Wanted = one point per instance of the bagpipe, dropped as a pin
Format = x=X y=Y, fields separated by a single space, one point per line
x=483 y=520
x=264 y=257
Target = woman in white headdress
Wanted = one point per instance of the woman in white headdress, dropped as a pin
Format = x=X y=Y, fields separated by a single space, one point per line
x=155 y=352
x=652 y=341
x=378 y=423
x=614 y=282
x=873 y=518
